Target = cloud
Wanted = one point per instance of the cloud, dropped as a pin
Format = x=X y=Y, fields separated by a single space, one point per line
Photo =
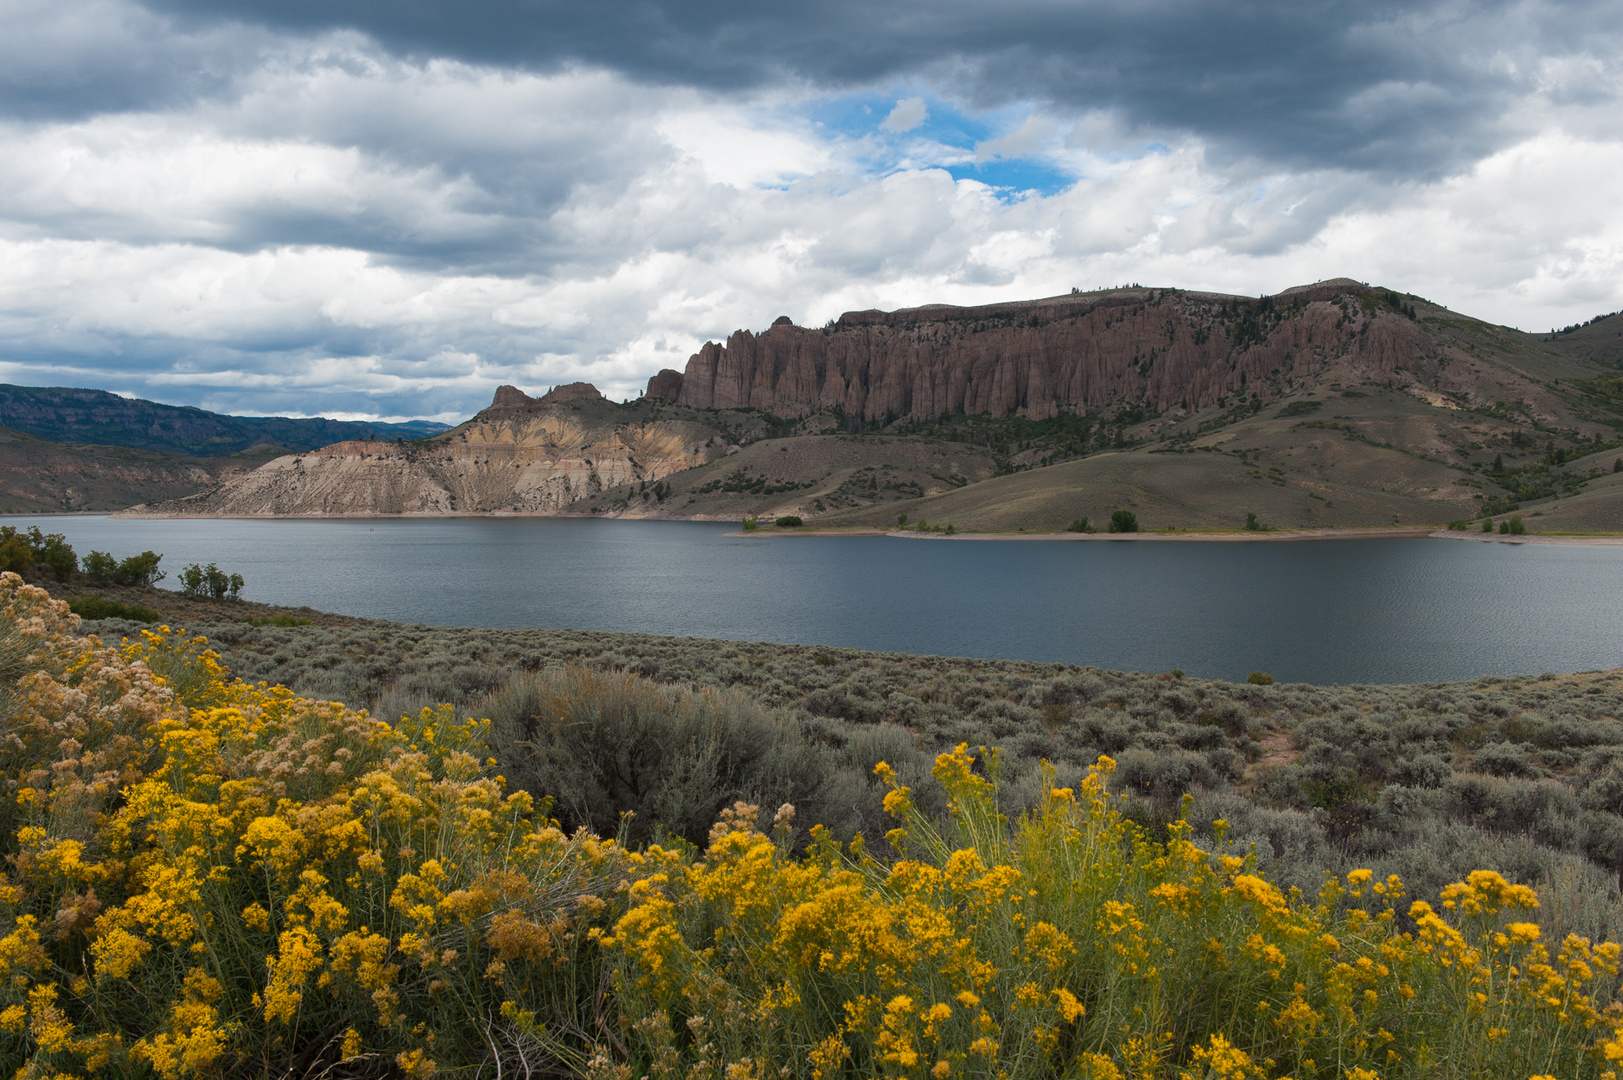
x=908 y=114
x=1032 y=136
x=1417 y=88
x=328 y=208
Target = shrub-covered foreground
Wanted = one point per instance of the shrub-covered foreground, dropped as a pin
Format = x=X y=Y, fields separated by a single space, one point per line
x=1424 y=781
x=208 y=878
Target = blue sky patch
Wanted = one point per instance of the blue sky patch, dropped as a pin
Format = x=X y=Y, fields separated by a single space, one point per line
x=1014 y=177
x=859 y=118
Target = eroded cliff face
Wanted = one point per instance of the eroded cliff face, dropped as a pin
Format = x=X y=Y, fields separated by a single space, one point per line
x=520 y=456
x=1165 y=348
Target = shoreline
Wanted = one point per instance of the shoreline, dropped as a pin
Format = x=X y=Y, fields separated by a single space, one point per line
x=1187 y=536
x=1271 y=536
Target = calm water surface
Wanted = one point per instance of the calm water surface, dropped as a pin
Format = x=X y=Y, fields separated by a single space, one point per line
x=1327 y=612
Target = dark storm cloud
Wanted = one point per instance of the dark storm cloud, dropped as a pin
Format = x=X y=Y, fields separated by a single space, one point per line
x=1407 y=89
x=63 y=61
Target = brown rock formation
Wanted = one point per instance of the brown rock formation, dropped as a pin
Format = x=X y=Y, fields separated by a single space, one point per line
x=522 y=455
x=511 y=397
x=1077 y=353
x=667 y=385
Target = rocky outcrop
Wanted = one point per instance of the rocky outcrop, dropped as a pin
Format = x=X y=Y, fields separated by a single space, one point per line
x=666 y=385
x=511 y=397
x=522 y=455
x=1078 y=353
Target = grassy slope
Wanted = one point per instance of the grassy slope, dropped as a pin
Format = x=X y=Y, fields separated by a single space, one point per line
x=1375 y=459
x=826 y=471
x=1601 y=340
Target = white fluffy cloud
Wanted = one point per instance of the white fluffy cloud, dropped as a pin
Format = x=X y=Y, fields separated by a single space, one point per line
x=332 y=229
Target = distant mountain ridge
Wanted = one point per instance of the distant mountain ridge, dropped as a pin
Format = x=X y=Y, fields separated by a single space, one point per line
x=1332 y=405
x=41 y=476
x=98 y=418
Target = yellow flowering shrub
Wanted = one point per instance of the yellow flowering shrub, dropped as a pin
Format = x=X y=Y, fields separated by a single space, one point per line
x=202 y=874
x=1069 y=943
x=204 y=878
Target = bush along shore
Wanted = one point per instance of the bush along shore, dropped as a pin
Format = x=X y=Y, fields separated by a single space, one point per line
x=209 y=877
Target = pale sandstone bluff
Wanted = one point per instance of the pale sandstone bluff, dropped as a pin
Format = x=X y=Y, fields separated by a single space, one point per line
x=522 y=455
x=1079 y=353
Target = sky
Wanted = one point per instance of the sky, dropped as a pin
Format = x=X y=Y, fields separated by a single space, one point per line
x=386 y=208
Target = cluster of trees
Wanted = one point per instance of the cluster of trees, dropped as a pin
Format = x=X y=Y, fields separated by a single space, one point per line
x=102 y=569
x=35 y=552
x=210 y=583
x=1121 y=521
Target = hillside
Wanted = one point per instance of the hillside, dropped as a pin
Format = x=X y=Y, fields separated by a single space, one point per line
x=37 y=475
x=1599 y=339
x=520 y=456
x=98 y=418
x=1332 y=405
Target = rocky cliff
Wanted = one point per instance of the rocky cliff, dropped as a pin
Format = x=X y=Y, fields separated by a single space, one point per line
x=1079 y=353
x=522 y=455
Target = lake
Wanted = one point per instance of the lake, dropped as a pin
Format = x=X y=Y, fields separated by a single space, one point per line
x=1397 y=610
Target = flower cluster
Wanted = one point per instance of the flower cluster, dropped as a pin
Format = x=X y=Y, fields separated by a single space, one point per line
x=203 y=873
x=1071 y=943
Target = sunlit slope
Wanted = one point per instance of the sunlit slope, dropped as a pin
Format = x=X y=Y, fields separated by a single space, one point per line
x=1195 y=490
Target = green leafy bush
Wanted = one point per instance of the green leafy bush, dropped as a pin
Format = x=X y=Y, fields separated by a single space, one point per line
x=95 y=606
x=1260 y=678
x=1080 y=525
x=788 y=521
x=604 y=744
x=1123 y=521
x=276 y=620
